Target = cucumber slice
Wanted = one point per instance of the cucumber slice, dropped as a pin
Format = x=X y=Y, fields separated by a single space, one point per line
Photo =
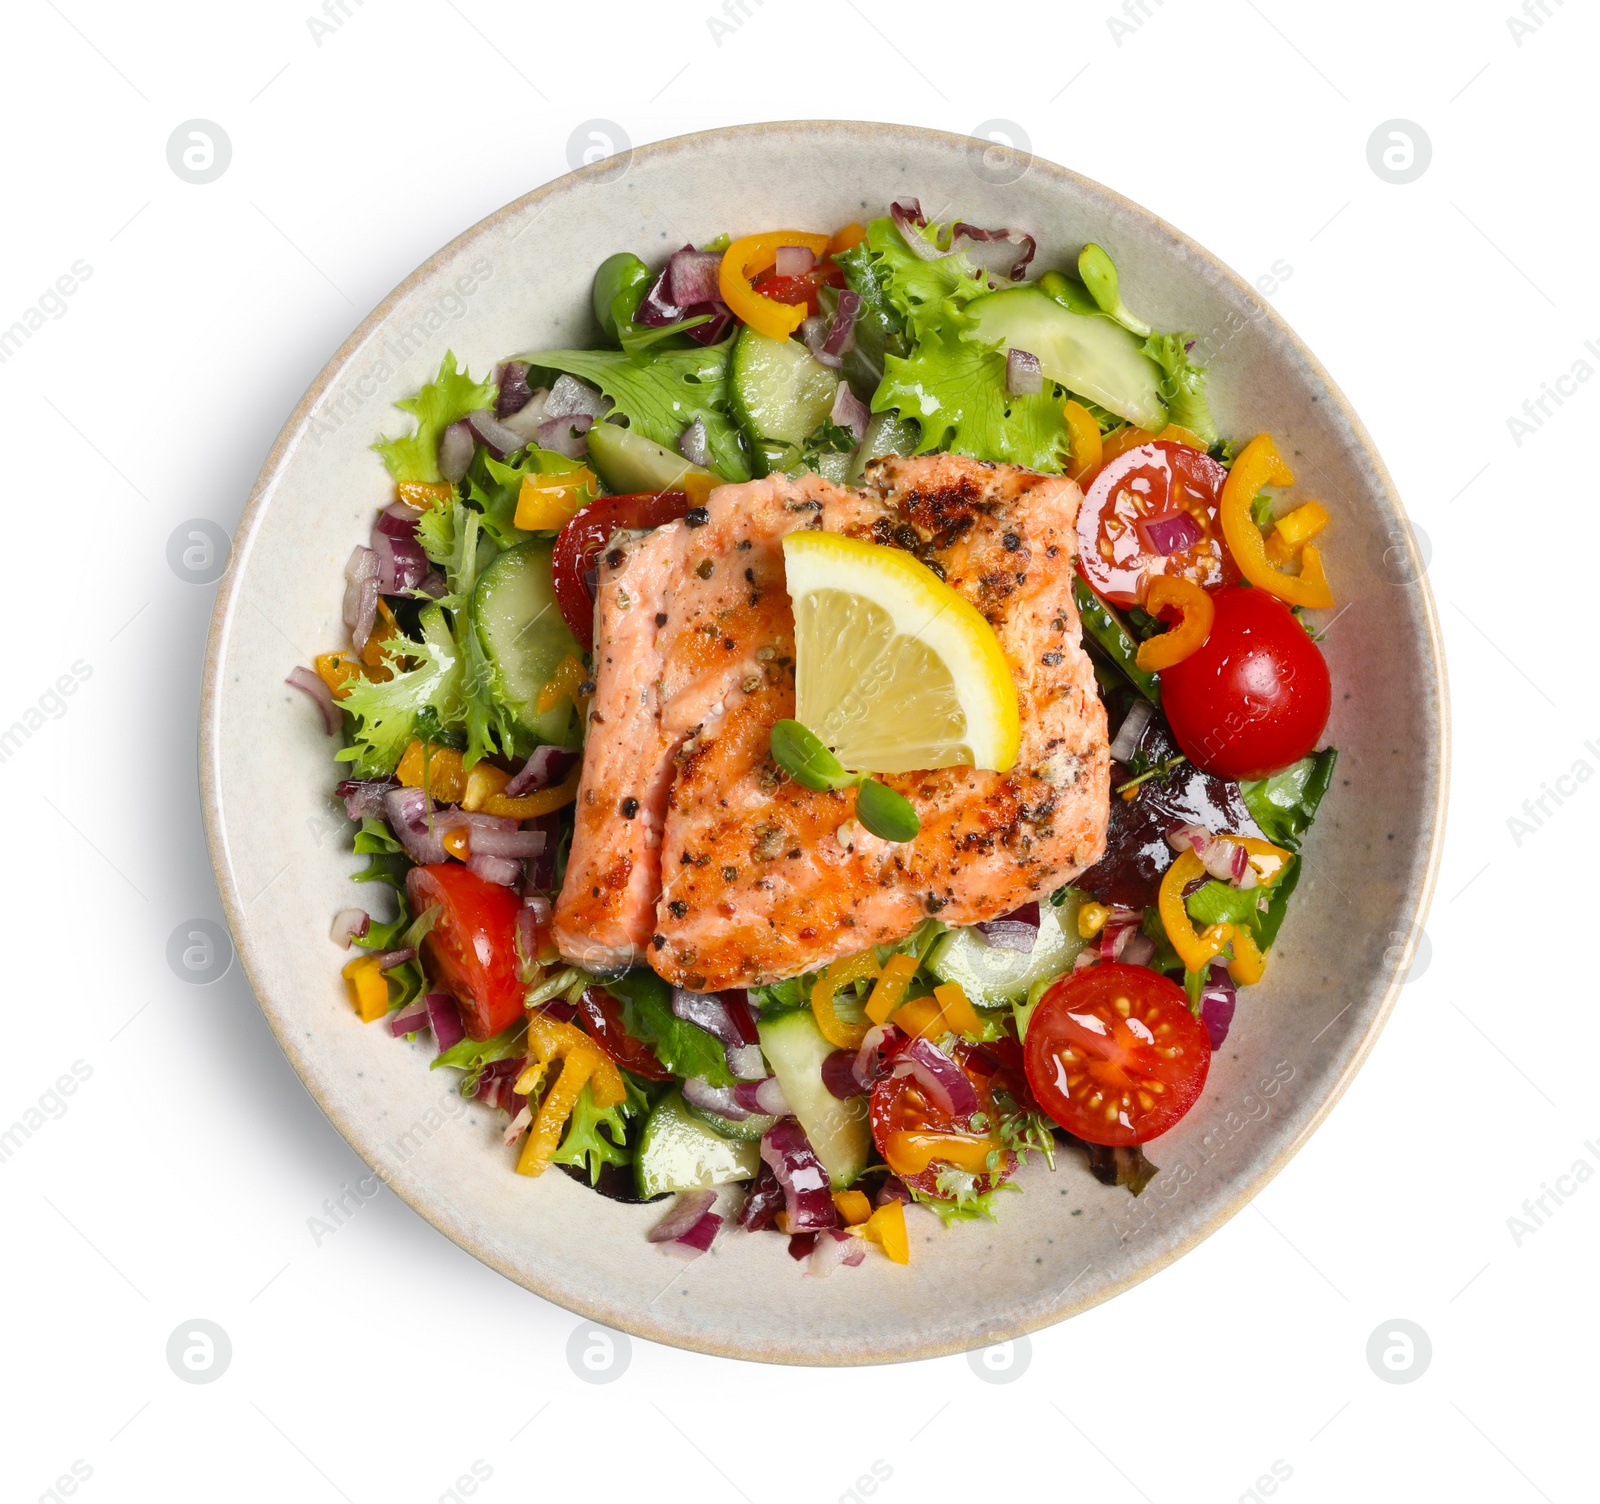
x=524 y=637
x=992 y=977
x=629 y=462
x=778 y=390
x=1087 y=353
x=839 y=1131
x=746 y=1130
x=887 y=433
x=679 y=1152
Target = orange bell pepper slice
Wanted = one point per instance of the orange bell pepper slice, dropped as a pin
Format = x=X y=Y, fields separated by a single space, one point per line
x=446 y=778
x=1259 y=464
x=567 y=680
x=1121 y=440
x=546 y=503
x=847 y=239
x=909 y=1151
x=1293 y=531
x=1195 y=950
x=960 y=1016
x=891 y=987
x=1167 y=592
x=841 y=973
x=887 y=1228
x=369 y=988
x=424 y=493
x=540 y=802
x=1086 y=446
x=1175 y=433
x=853 y=1207
x=921 y=1016
x=748 y=257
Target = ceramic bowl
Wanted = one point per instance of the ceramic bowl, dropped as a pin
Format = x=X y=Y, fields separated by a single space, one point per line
x=520 y=281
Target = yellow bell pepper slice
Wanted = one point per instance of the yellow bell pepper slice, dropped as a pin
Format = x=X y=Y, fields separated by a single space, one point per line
x=446 y=778
x=910 y=1151
x=424 y=494
x=1121 y=440
x=1293 y=531
x=1248 y=964
x=1083 y=438
x=841 y=973
x=1169 y=592
x=1259 y=464
x=582 y=1063
x=748 y=257
x=458 y=843
x=567 y=680
x=921 y=1016
x=847 y=239
x=545 y=1137
x=539 y=802
x=853 y=1207
x=1195 y=950
x=887 y=1228
x=891 y=987
x=484 y=781
x=546 y=503
x=369 y=988
x=959 y=1015
x=1175 y=433
x=550 y=1039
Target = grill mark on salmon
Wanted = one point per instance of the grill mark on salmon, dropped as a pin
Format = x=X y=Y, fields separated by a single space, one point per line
x=736 y=875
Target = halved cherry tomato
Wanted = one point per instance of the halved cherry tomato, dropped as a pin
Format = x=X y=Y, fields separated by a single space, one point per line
x=579 y=543
x=471 y=951
x=1152 y=481
x=1114 y=1055
x=602 y=1017
x=900 y=1107
x=1255 y=695
x=801 y=289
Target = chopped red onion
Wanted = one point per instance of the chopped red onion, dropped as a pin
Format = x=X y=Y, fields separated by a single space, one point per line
x=545 y=765
x=839 y=1075
x=399 y=520
x=893 y=1189
x=1217 y=1000
x=565 y=435
x=793 y=261
x=408 y=812
x=313 y=685
x=701 y=1236
x=708 y=1011
x=524 y=423
x=364 y=797
x=737 y=1002
x=456 y=448
x=366 y=615
x=695 y=276
x=801 y=1245
x=433 y=585
x=1140 y=949
x=807 y=1198
x=571 y=398
x=1182 y=837
x=350 y=925
x=499 y=439
x=1217 y=854
x=657 y=310
x=692 y=444
x=500 y=870
x=944 y=1081
x=909 y=221
x=1113 y=940
x=1010 y=934
x=688 y=1209
x=814 y=331
x=361 y=596
x=835 y=1249
x=1018 y=267
x=410 y=1020
x=517 y=1125
x=764 y=1096
x=909 y=210
x=849 y=411
x=513 y=843
x=722 y=1100
x=1131 y=732
x=842 y=331
x=539 y=906
x=1170 y=533
x=527 y=940
x=540 y=876
x=764 y=1202
x=444 y=1016
x=745 y=1062
x=388 y=959
x=881 y=1041
x=1027 y=913
x=1023 y=376
x=402 y=564
x=515 y=393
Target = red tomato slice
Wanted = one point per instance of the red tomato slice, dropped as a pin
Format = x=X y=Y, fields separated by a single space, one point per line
x=602 y=1018
x=578 y=546
x=899 y=1106
x=1255 y=696
x=471 y=951
x=798 y=290
x=1153 y=481
x=1114 y=1055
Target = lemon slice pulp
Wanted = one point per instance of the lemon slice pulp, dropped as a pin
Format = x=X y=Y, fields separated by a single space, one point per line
x=894 y=670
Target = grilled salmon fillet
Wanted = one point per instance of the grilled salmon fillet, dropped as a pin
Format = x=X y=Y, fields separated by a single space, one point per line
x=727 y=873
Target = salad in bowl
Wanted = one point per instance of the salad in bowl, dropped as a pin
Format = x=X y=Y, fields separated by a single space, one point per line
x=847 y=734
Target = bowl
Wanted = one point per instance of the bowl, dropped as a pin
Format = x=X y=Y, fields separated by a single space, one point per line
x=280 y=843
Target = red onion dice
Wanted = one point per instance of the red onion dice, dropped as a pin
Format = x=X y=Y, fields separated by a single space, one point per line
x=1170 y=533
x=939 y=1076
x=512 y=843
x=1217 y=1000
x=839 y=1075
x=1010 y=934
x=842 y=332
x=444 y=1017
x=408 y=813
x=807 y=1198
x=499 y=439
x=695 y=277
x=571 y=398
x=456 y=448
x=764 y=1202
x=500 y=870
x=692 y=444
x=411 y=1020
x=565 y=435
x=720 y=1100
x=349 y=925
x=399 y=520
x=849 y=411
x=793 y=260
x=313 y=686
x=687 y=1210
x=363 y=798
x=834 y=1250
x=515 y=393
x=814 y=331
x=1023 y=376
x=545 y=765
x=977 y=237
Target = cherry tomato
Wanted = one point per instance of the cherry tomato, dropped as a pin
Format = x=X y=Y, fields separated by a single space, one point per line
x=1255 y=696
x=899 y=1106
x=801 y=289
x=602 y=1018
x=1114 y=1055
x=1155 y=480
x=579 y=542
x=471 y=951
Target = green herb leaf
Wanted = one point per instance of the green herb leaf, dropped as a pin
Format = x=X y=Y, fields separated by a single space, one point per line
x=802 y=755
x=1099 y=273
x=1183 y=386
x=887 y=814
x=1285 y=804
x=684 y=1048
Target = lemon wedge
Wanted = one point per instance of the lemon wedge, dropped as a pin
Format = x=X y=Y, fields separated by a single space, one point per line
x=894 y=671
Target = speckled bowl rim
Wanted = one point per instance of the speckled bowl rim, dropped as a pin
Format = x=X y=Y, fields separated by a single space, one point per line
x=644 y=1324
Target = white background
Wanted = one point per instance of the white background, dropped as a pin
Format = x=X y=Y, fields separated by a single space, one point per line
x=382 y=1363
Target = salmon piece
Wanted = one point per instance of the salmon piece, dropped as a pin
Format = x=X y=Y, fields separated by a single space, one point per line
x=758 y=878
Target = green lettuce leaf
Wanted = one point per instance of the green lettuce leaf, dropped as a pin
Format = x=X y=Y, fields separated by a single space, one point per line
x=385 y=715
x=598 y=1136
x=493 y=487
x=929 y=296
x=661 y=392
x=1183 y=386
x=449 y=397
x=684 y=1048
x=962 y=1203
x=471 y=1055
x=957 y=392
x=1285 y=804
